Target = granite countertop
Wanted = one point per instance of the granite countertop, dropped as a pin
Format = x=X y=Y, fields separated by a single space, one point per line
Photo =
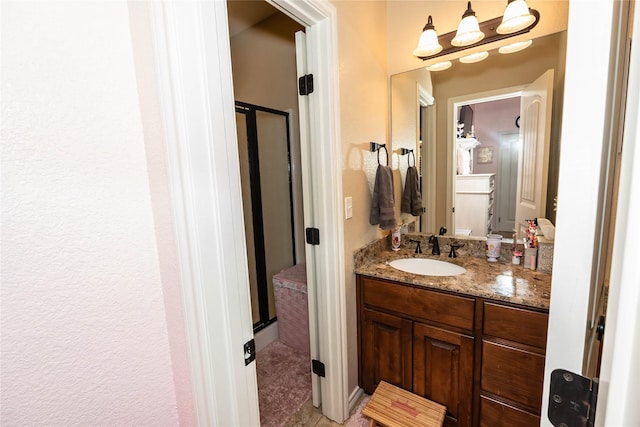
x=500 y=281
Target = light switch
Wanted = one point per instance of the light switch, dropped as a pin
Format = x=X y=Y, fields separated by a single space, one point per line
x=348 y=207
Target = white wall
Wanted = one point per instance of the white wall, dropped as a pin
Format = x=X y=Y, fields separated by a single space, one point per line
x=87 y=334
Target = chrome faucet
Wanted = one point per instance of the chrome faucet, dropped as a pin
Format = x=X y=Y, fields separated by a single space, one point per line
x=433 y=240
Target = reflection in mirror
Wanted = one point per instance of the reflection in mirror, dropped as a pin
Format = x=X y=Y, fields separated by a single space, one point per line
x=437 y=129
x=486 y=152
x=410 y=100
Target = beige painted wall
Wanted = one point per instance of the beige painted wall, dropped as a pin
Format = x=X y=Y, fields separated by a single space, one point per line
x=264 y=73
x=500 y=71
x=362 y=50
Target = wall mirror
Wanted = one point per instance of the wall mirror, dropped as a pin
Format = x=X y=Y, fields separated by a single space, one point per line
x=425 y=109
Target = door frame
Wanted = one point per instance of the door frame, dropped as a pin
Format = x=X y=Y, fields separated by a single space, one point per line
x=581 y=163
x=452 y=106
x=191 y=46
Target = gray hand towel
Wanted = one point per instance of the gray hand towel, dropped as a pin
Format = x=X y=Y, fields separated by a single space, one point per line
x=411 y=198
x=382 y=209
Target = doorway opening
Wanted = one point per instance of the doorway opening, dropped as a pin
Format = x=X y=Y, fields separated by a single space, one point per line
x=272 y=193
x=486 y=170
x=473 y=194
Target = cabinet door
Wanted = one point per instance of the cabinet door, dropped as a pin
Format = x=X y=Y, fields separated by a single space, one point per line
x=443 y=370
x=386 y=350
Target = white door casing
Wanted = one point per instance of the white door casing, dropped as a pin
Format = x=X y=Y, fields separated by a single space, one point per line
x=584 y=125
x=620 y=390
x=320 y=19
x=191 y=43
x=533 y=157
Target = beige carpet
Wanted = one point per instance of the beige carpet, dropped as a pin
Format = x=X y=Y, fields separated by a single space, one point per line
x=357 y=419
x=284 y=383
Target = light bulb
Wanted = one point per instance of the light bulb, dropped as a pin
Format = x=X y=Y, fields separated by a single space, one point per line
x=468 y=29
x=516 y=17
x=428 y=43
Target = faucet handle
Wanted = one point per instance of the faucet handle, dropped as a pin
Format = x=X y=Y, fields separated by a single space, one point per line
x=418 y=248
x=454 y=246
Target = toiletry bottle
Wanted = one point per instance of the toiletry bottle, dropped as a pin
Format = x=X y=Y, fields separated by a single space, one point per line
x=395 y=238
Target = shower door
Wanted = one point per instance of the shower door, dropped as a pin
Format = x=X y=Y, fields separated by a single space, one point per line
x=265 y=169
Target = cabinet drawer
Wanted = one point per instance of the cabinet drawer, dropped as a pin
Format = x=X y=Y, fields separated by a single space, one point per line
x=512 y=373
x=419 y=303
x=515 y=324
x=494 y=413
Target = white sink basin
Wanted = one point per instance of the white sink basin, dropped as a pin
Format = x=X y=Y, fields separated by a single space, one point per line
x=427 y=267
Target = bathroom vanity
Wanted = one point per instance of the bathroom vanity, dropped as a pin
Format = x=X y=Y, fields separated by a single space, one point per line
x=474 y=342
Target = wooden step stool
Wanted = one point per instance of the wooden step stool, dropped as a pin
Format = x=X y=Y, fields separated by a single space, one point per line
x=391 y=406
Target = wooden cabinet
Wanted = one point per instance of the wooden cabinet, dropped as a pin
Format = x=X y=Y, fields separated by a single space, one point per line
x=482 y=359
x=420 y=340
x=386 y=352
x=512 y=369
x=443 y=370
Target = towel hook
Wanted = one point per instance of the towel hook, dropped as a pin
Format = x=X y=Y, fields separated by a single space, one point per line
x=405 y=151
x=374 y=146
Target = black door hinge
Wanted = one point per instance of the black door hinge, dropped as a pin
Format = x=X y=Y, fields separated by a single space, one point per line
x=305 y=84
x=600 y=328
x=317 y=367
x=313 y=236
x=572 y=399
x=249 y=352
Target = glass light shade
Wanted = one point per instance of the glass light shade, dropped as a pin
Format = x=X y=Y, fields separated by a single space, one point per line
x=439 y=66
x=474 y=57
x=428 y=44
x=515 y=47
x=468 y=32
x=516 y=17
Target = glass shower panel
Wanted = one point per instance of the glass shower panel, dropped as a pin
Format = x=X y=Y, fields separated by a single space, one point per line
x=273 y=153
x=243 y=152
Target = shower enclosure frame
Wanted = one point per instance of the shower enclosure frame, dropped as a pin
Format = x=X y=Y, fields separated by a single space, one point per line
x=262 y=279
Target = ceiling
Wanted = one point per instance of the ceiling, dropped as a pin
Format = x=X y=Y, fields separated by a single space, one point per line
x=244 y=14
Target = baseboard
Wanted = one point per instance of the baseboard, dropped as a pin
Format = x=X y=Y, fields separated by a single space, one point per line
x=354 y=398
x=266 y=336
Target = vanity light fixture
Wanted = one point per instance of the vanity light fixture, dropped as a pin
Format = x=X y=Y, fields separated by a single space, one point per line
x=516 y=17
x=428 y=43
x=474 y=57
x=468 y=29
x=515 y=47
x=439 y=66
x=456 y=41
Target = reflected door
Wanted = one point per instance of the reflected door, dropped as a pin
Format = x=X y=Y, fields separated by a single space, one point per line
x=533 y=160
x=507 y=178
